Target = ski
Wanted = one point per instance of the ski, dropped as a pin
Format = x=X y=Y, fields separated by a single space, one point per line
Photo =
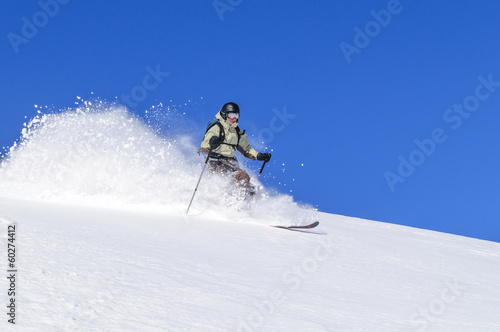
x=314 y=224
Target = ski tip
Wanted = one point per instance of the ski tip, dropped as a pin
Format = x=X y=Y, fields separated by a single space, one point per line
x=314 y=224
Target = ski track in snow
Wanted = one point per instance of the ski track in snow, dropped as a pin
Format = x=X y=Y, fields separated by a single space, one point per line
x=103 y=244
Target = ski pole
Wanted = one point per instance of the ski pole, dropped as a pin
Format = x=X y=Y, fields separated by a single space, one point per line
x=196 y=189
x=261 y=169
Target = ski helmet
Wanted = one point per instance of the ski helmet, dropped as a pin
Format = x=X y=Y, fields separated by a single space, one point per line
x=229 y=108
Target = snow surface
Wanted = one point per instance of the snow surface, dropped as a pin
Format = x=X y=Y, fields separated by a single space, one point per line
x=104 y=244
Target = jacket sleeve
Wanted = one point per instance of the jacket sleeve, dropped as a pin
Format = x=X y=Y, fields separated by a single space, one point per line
x=246 y=149
x=205 y=146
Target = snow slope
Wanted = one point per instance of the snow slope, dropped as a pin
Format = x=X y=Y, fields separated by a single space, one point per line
x=84 y=268
x=103 y=244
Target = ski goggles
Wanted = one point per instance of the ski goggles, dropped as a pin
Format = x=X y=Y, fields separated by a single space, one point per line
x=233 y=116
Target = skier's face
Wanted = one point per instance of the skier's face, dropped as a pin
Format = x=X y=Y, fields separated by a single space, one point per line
x=233 y=117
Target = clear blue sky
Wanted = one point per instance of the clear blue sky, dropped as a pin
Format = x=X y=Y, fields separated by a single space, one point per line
x=345 y=88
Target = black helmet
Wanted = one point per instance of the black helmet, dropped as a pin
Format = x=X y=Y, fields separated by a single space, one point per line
x=229 y=108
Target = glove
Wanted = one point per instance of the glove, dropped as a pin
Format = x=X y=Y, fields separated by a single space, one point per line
x=264 y=156
x=214 y=142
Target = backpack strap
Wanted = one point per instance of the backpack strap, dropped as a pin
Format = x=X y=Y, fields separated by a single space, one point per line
x=239 y=133
x=214 y=122
x=222 y=133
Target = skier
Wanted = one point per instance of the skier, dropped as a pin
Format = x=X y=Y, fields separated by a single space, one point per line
x=222 y=138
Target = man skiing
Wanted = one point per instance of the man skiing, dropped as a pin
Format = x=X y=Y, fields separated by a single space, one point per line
x=222 y=139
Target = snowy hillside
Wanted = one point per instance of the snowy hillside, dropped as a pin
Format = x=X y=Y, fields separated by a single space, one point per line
x=102 y=242
x=85 y=268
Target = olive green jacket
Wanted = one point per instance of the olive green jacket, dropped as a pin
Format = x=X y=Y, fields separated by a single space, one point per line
x=231 y=139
